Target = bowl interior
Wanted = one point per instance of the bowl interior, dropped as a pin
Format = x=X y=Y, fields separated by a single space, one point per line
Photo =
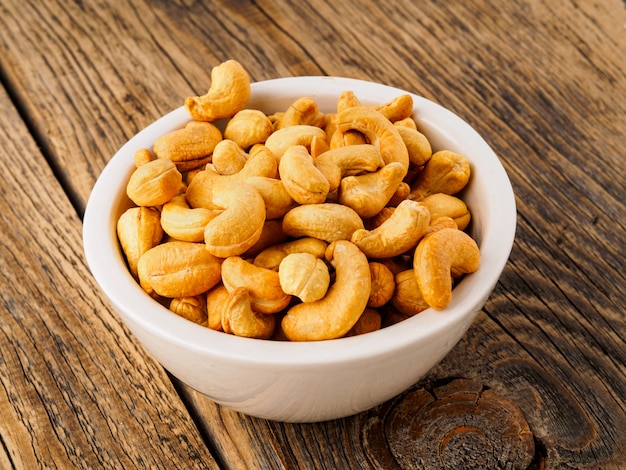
x=489 y=197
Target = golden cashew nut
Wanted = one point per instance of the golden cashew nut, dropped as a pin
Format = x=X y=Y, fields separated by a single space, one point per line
x=271 y=257
x=396 y=235
x=286 y=137
x=266 y=294
x=347 y=99
x=228 y=157
x=304 y=276
x=439 y=257
x=408 y=298
x=248 y=127
x=303 y=111
x=445 y=205
x=367 y=194
x=301 y=178
x=190 y=308
x=183 y=223
x=417 y=144
x=142 y=156
x=335 y=314
x=349 y=160
x=138 y=230
x=446 y=172
x=154 y=183
x=383 y=285
x=216 y=302
x=378 y=131
x=229 y=92
x=190 y=147
x=240 y=224
x=327 y=221
x=399 y=108
x=240 y=319
x=178 y=269
x=277 y=200
x=271 y=235
x=370 y=320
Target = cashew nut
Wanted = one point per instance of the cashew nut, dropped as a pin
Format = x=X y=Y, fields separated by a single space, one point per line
x=228 y=157
x=240 y=319
x=401 y=107
x=417 y=144
x=248 y=127
x=335 y=314
x=266 y=294
x=138 y=230
x=408 y=298
x=216 y=303
x=445 y=205
x=271 y=257
x=301 y=178
x=190 y=308
x=303 y=111
x=377 y=129
x=383 y=285
x=190 y=147
x=446 y=172
x=440 y=257
x=183 y=223
x=286 y=137
x=178 y=269
x=271 y=234
x=154 y=183
x=277 y=200
x=304 y=275
x=367 y=194
x=229 y=92
x=351 y=159
x=398 y=234
x=327 y=221
x=370 y=320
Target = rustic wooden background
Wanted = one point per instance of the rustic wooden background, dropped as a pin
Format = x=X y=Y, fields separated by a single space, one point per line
x=543 y=82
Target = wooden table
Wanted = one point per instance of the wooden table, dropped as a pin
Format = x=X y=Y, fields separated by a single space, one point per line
x=543 y=82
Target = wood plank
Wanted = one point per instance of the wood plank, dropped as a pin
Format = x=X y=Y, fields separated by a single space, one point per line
x=543 y=83
x=76 y=390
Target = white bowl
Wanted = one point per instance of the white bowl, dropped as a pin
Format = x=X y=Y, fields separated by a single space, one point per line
x=308 y=381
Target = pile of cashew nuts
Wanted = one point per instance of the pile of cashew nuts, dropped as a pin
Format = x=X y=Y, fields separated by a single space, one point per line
x=300 y=225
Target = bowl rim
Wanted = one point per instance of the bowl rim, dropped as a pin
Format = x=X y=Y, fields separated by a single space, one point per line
x=103 y=253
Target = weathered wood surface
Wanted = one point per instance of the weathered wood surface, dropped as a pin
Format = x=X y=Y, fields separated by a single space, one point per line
x=543 y=82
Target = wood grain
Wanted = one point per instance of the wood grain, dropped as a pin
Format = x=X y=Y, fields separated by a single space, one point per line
x=543 y=82
x=76 y=391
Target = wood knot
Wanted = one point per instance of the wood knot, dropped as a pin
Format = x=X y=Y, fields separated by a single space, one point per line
x=458 y=425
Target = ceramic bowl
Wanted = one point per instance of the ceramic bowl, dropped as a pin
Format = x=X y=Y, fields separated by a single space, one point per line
x=307 y=381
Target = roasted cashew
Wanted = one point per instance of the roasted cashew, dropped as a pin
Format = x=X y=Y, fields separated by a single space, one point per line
x=408 y=298
x=303 y=111
x=138 y=230
x=190 y=147
x=228 y=157
x=178 y=269
x=216 y=302
x=335 y=314
x=248 y=127
x=277 y=200
x=304 y=275
x=370 y=320
x=143 y=156
x=377 y=129
x=347 y=99
x=271 y=235
x=154 y=183
x=402 y=192
x=289 y=136
x=367 y=194
x=383 y=285
x=326 y=221
x=271 y=257
x=398 y=234
x=190 y=308
x=401 y=107
x=183 y=223
x=301 y=178
x=240 y=319
x=229 y=92
x=351 y=159
x=266 y=294
x=445 y=172
x=417 y=144
x=440 y=257
x=445 y=205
